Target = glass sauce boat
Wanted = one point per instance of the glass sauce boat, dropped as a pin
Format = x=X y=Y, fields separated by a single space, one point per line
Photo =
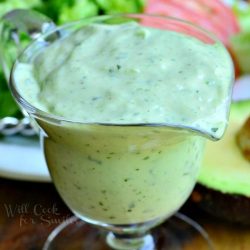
x=125 y=179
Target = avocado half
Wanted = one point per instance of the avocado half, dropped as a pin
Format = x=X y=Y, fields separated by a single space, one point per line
x=223 y=187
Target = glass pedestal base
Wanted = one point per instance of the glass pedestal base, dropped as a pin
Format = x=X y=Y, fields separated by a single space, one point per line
x=177 y=233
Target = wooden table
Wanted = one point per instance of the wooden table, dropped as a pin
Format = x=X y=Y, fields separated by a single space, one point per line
x=29 y=211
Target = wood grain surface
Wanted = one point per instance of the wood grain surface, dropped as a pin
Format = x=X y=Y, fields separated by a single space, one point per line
x=29 y=211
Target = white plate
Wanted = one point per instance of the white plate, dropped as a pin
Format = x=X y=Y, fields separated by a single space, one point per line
x=22 y=159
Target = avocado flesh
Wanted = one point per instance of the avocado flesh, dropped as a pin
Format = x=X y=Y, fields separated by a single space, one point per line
x=224 y=167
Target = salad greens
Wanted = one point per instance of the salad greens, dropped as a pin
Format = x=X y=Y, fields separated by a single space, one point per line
x=242 y=11
x=8 y=106
x=7 y=5
x=60 y=11
x=240 y=42
x=118 y=6
x=75 y=11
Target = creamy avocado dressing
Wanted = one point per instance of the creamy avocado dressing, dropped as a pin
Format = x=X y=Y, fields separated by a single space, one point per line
x=131 y=74
x=122 y=175
x=126 y=74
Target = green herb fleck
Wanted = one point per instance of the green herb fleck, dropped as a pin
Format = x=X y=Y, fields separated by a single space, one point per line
x=146 y=158
x=64 y=167
x=95 y=98
x=94 y=160
x=156 y=131
x=77 y=187
x=214 y=129
x=131 y=206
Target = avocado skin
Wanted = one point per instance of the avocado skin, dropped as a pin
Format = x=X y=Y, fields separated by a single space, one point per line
x=216 y=192
x=227 y=207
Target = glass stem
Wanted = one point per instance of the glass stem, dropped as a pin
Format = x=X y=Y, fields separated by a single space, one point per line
x=131 y=241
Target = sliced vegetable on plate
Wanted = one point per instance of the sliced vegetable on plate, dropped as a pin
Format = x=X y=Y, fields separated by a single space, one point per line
x=212 y=15
x=223 y=188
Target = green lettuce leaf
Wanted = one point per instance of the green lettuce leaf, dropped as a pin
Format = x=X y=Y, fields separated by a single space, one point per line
x=121 y=6
x=242 y=12
x=7 y=103
x=240 y=43
x=8 y=5
x=79 y=9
